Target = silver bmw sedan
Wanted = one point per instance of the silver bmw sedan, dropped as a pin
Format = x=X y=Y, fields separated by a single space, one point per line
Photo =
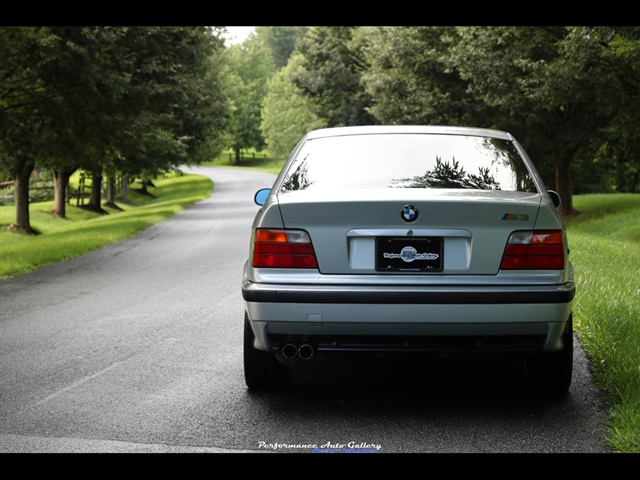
x=408 y=239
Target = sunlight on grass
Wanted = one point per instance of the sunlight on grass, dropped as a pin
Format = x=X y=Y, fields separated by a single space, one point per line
x=262 y=164
x=83 y=231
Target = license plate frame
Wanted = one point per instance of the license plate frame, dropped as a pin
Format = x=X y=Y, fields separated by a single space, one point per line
x=409 y=254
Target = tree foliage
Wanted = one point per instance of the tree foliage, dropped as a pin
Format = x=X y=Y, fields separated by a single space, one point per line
x=128 y=99
x=333 y=66
x=281 y=42
x=409 y=78
x=570 y=94
x=287 y=114
x=27 y=109
x=248 y=68
x=611 y=56
x=553 y=84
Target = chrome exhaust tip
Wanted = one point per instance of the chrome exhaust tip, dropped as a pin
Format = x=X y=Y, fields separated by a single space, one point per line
x=306 y=352
x=289 y=351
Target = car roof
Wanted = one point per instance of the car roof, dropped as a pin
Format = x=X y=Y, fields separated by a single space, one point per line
x=409 y=129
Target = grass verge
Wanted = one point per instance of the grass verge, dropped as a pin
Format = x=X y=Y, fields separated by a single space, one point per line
x=259 y=162
x=83 y=231
x=605 y=252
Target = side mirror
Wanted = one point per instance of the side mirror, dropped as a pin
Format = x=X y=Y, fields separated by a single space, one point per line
x=261 y=196
x=554 y=197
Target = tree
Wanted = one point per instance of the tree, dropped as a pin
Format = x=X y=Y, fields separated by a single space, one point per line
x=127 y=99
x=25 y=102
x=611 y=57
x=247 y=69
x=286 y=114
x=568 y=94
x=331 y=78
x=281 y=41
x=410 y=81
x=79 y=70
x=527 y=73
x=173 y=103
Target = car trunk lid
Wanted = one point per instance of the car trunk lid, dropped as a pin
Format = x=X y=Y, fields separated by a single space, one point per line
x=409 y=231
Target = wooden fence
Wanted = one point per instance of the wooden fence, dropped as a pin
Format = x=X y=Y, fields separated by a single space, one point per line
x=37 y=189
x=245 y=157
x=79 y=192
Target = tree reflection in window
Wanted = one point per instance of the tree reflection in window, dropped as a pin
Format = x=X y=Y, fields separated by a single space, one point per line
x=299 y=178
x=450 y=175
x=409 y=161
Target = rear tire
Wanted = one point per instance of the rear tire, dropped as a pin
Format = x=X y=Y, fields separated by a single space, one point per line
x=262 y=371
x=551 y=373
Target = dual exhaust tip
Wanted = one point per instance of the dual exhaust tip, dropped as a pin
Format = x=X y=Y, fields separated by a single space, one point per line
x=304 y=351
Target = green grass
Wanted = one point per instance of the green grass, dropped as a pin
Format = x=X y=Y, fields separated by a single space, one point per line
x=257 y=161
x=83 y=231
x=605 y=251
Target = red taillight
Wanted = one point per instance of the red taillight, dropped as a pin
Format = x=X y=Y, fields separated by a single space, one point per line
x=537 y=250
x=283 y=249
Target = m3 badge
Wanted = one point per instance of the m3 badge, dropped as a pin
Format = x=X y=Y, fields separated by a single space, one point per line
x=515 y=216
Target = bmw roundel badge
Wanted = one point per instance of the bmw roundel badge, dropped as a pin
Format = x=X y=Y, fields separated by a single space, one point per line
x=409 y=213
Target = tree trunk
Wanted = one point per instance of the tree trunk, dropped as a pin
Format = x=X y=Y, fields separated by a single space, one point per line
x=627 y=179
x=144 y=190
x=111 y=190
x=111 y=193
x=96 y=195
x=61 y=185
x=563 y=184
x=125 y=188
x=21 y=196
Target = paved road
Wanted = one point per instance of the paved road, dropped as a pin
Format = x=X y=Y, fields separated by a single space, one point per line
x=137 y=347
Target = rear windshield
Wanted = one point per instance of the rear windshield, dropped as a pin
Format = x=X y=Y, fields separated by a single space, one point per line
x=409 y=161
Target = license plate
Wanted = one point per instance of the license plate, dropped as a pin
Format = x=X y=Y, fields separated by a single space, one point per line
x=409 y=254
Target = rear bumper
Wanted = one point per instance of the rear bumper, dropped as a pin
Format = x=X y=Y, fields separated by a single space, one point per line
x=357 y=318
x=472 y=295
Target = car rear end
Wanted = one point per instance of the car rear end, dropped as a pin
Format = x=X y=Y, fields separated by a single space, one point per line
x=409 y=239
